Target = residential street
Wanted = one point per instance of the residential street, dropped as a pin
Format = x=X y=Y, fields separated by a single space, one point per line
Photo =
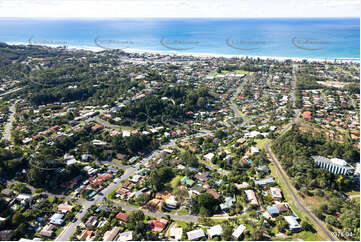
x=11 y=91
x=9 y=125
x=70 y=228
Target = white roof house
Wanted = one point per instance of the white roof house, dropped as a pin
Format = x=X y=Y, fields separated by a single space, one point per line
x=292 y=223
x=24 y=197
x=215 y=231
x=176 y=233
x=71 y=162
x=110 y=235
x=254 y=150
x=251 y=134
x=57 y=219
x=136 y=178
x=171 y=202
x=209 y=156
x=126 y=133
x=238 y=231
x=125 y=236
x=195 y=234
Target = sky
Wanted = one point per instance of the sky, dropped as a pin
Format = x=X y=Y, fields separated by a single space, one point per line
x=179 y=8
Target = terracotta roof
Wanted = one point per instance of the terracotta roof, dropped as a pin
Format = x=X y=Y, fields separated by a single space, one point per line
x=158 y=225
x=122 y=216
x=97 y=126
x=215 y=194
x=307 y=115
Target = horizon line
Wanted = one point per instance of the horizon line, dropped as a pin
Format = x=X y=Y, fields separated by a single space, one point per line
x=307 y=17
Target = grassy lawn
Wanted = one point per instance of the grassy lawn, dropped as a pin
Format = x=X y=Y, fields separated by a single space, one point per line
x=353 y=193
x=182 y=211
x=306 y=236
x=109 y=196
x=261 y=143
x=58 y=231
x=128 y=128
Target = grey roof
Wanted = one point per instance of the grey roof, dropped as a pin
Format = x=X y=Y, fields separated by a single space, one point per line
x=195 y=234
x=265 y=181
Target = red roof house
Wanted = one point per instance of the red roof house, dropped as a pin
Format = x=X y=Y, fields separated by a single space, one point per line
x=307 y=115
x=158 y=225
x=122 y=216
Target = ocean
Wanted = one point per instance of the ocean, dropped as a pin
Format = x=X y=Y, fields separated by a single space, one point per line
x=321 y=38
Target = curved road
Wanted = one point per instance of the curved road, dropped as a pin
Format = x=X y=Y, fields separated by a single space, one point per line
x=284 y=177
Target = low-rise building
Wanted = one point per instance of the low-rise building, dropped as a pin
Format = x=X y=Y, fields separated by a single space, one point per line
x=334 y=165
x=110 y=235
x=251 y=197
x=293 y=224
x=215 y=231
x=238 y=231
x=176 y=233
x=276 y=193
x=195 y=234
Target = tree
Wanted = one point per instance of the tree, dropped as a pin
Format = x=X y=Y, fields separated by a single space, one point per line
x=181 y=194
x=307 y=226
x=227 y=233
x=332 y=221
x=190 y=159
x=281 y=224
x=205 y=205
x=135 y=217
x=17 y=218
x=201 y=102
x=159 y=177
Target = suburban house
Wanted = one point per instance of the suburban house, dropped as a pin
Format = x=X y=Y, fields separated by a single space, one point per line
x=228 y=203
x=158 y=225
x=48 y=230
x=264 y=181
x=176 y=233
x=195 y=234
x=57 y=219
x=238 y=231
x=276 y=193
x=171 y=202
x=251 y=197
x=125 y=236
x=110 y=235
x=215 y=231
x=122 y=217
x=273 y=211
x=293 y=224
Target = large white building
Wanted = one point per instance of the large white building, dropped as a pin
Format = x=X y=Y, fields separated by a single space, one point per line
x=334 y=165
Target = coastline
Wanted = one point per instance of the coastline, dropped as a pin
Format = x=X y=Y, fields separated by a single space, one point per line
x=203 y=55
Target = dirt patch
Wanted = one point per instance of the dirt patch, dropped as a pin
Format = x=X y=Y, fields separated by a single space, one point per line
x=155 y=204
x=333 y=84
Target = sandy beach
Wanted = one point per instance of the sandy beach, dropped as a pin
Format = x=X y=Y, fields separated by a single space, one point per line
x=204 y=55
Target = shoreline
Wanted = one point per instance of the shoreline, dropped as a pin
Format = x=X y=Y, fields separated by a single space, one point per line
x=201 y=55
